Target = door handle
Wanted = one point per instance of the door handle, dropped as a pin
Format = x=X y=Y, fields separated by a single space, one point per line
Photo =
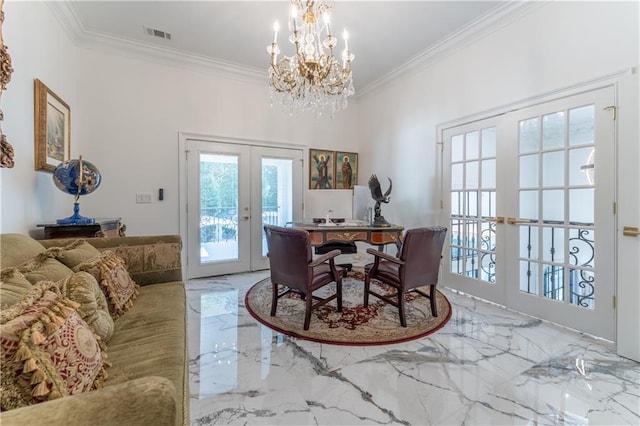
x=245 y=217
x=630 y=231
x=498 y=219
x=514 y=221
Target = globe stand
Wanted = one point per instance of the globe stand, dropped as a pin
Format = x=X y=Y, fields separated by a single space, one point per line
x=76 y=219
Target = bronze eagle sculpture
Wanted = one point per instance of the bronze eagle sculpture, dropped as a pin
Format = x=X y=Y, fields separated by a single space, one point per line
x=379 y=197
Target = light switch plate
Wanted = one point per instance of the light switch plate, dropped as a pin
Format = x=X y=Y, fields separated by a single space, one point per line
x=143 y=197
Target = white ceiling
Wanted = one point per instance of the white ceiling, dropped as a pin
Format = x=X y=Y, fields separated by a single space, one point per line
x=384 y=35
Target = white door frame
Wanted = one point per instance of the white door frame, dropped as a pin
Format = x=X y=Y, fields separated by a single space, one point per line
x=183 y=137
x=628 y=267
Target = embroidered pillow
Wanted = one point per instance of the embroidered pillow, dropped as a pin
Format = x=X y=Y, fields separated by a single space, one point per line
x=116 y=283
x=13 y=286
x=82 y=288
x=74 y=253
x=47 y=350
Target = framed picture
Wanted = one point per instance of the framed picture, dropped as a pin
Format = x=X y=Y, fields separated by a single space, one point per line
x=52 y=128
x=321 y=169
x=346 y=170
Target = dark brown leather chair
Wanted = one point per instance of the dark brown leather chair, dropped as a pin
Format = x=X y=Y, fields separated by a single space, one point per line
x=292 y=265
x=417 y=266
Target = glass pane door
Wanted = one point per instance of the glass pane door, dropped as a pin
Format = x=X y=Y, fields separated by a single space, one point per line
x=471 y=188
x=218 y=207
x=233 y=190
x=218 y=185
x=561 y=228
x=531 y=219
x=280 y=195
x=557 y=252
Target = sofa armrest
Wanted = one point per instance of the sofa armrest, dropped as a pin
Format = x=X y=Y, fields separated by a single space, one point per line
x=149 y=259
x=145 y=401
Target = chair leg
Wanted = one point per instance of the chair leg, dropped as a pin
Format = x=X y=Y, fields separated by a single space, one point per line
x=339 y=293
x=307 y=313
x=403 y=319
x=274 y=298
x=434 y=305
x=367 y=283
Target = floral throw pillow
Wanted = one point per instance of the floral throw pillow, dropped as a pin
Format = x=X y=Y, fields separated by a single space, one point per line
x=47 y=351
x=111 y=273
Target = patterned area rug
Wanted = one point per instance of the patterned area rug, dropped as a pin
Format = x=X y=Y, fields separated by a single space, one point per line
x=378 y=324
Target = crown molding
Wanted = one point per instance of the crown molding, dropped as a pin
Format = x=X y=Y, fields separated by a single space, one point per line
x=499 y=17
x=67 y=15
x=502 y=15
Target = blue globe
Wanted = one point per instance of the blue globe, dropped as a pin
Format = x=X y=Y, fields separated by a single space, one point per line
x=77 y=177
x=67 y=177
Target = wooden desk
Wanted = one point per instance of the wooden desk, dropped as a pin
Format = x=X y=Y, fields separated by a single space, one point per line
x=374 y=235
x=101 y=228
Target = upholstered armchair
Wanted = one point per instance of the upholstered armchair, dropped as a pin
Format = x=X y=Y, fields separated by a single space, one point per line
x=292 y=266
x=417 y=266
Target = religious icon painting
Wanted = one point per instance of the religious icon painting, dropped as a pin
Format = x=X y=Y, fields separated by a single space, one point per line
x=346 y=170
x=321 y=169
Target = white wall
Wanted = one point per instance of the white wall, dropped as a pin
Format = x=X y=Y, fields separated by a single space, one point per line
x=39 y=48
x=557 y=44
x=138 y=108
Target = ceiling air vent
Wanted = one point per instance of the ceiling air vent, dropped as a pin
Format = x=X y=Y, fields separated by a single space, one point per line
x=157 y=33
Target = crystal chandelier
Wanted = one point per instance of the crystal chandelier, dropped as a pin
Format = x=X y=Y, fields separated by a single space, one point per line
x=311 y=79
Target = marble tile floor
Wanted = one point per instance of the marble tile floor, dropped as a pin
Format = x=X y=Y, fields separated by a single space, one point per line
x=487 y=366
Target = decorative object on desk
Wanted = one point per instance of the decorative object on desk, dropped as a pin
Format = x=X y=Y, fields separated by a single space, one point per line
x=321 y=169
x=318 y=220
x=327 y=220
x=311 y=78
x=52 y=128
x=346 y=170
x=6 y=150
x=379 y=197
x=77 y=177
x=356 y=325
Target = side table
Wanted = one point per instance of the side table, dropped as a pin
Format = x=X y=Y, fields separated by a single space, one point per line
x=111 y=227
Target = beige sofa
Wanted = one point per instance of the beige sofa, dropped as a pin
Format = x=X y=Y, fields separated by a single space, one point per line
x=147 y=383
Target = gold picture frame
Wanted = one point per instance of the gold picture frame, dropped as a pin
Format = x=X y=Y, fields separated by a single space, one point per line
x=346 y=170
x=52 y=128
x=321 y=169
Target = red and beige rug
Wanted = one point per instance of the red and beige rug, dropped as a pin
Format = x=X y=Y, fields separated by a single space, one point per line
x=378 y=324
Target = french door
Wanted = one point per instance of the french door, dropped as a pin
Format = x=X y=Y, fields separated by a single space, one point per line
x=232 y=191
x=471 y=199
x=532 y=223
